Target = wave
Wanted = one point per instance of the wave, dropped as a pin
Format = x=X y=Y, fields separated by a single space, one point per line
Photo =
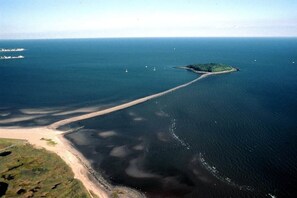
x=219 y=176
x=172 y=129
x=271 y=195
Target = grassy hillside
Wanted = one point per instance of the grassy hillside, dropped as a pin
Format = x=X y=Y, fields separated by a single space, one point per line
x=29 y=172
x=210 y=67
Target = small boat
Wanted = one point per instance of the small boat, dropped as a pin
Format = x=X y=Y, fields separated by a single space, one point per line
x=126 y=70
x=154 y=69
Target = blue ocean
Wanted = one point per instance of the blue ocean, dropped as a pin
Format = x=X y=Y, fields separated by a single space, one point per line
x=229 y=135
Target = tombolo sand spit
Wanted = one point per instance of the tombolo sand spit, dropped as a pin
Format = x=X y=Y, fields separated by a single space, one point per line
x=79 y=165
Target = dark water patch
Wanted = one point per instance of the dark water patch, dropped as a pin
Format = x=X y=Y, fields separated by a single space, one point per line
x=3 y=188
x=34 y=190
x=21 y=191
x=5 y=153
x=15 y=167
x=8 y=177
x=56 y=185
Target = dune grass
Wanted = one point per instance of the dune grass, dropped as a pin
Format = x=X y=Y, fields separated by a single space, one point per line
x=49 y=142
x=29 y=172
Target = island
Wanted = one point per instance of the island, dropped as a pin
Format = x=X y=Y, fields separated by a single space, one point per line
x=213 y=68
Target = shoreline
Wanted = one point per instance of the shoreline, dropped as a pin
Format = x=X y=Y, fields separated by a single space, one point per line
x=73 y=158
x=80 y=166
x=213 y=73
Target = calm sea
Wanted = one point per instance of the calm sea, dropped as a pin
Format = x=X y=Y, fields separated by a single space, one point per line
x=231 y=135
x=62 y=78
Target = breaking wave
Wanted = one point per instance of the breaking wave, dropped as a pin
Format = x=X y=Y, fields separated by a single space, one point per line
x=172 y=129
x=216 y=174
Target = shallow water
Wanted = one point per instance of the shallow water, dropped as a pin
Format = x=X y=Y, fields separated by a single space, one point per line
x=232 y=135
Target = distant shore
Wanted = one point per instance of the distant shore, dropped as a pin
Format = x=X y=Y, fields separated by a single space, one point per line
x=79 y=165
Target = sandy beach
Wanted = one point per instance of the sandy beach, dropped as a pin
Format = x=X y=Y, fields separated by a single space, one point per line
x=63 y=148
x=79 y=165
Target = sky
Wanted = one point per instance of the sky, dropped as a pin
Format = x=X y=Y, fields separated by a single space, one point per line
x=35 y=19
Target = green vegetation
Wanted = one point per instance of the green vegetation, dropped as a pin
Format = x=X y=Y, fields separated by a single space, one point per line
x=29 y=172
x=211 y=67
x=50 y=142
x=116 y=193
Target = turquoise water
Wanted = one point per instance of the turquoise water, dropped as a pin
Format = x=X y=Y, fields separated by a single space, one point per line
x=231 y=135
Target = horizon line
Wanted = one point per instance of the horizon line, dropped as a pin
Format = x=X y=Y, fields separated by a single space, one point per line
x=143 y=37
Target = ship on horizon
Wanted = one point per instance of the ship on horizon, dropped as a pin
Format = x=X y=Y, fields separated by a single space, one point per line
x=11 y=57
x=12 y=50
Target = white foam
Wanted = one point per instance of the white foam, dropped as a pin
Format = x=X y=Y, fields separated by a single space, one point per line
x=213 y=170
x=172 y=129
x=161 y=114
x=271 y=195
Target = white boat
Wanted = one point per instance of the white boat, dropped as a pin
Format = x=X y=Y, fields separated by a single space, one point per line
x=11 y=57
x=12 y=50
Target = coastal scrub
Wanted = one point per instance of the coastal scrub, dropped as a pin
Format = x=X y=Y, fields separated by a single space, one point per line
x=29 y=172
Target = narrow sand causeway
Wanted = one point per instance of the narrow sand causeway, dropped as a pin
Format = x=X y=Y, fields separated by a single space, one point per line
x=122 y=106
